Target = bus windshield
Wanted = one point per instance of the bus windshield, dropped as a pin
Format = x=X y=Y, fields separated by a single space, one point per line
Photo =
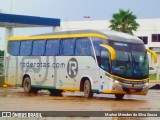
x=131 y=60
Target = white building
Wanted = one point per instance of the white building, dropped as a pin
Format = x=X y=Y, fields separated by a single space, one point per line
x=149 y=31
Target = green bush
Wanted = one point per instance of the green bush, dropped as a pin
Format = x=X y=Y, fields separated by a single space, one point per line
x=1 y=53
x=1 y=80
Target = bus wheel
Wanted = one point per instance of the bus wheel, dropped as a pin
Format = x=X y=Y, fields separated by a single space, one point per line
x=119 y=96
x=27 y=86
x=87 y=89
x=54 y=92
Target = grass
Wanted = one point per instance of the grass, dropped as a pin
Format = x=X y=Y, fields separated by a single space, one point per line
x=152 y=77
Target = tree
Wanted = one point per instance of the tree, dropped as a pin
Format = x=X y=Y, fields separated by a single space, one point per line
x=1 y=53
x=124 y=21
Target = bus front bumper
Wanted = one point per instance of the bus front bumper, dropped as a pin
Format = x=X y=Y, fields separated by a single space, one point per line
x=125 y=88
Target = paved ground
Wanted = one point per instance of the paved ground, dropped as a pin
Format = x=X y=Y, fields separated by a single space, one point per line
x=17 y=100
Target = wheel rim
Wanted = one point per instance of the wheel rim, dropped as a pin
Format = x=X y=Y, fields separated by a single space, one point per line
x=26 y=85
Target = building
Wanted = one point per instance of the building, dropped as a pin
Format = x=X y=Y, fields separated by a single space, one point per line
x=149 y=32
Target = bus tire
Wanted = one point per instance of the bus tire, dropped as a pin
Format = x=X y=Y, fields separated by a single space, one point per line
x=27 y=86
x=33 y=90
x=119 y=96
x=87 y=89
x=54 y=92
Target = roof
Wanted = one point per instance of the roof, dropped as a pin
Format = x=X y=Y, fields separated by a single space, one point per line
x=111 y=35
x=12 y=20
x=119 y=36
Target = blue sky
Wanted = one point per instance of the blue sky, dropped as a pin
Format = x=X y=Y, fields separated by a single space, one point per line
x=70 y=10
x=76 y=9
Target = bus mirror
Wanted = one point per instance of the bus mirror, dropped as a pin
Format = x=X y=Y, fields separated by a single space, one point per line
x=155 y=57
x=111 y=50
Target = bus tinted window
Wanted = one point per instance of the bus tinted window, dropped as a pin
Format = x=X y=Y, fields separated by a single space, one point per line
x=38 y=47
x=67 y=47
x=26 y=47
x=96 y=44
x=13 y=47
x=52 y=47
x=104 y=60
x=83 y=47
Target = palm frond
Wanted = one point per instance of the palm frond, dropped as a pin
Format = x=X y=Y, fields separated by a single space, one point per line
x=124 y=21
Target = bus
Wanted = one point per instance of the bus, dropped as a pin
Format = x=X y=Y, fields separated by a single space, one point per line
x=88 y=61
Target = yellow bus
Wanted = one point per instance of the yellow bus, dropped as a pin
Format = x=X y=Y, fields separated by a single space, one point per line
x=82 y=60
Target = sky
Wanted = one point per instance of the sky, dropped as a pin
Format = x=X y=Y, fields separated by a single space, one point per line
x=75 y=10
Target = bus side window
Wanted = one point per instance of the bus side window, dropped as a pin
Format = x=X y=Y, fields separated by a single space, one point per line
x=83 y=47
x=67 y=47
x=97 y=49
x=38 y=47
x=13 y=47
x=102 y=54
x=96 y=43
x=25 y=48
x=104 y=60
x=52 y=47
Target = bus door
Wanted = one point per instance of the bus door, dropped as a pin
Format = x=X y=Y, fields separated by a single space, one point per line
x=104 y=64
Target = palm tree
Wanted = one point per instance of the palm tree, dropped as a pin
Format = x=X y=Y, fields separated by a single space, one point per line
x=124 y=21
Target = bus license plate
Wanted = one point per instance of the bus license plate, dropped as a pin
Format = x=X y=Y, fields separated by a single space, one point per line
x=132 y=90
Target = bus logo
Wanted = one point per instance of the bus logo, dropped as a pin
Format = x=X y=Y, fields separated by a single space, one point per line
x=72 y=68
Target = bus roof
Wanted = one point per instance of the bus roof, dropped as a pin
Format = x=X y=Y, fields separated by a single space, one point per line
x=123 y=37
x=111 y=35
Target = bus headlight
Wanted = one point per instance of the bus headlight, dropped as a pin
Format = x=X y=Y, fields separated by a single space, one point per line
x=116 y=82
x=146 y=84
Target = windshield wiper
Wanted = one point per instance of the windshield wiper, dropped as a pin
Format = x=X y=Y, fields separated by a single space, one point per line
x=137 y=66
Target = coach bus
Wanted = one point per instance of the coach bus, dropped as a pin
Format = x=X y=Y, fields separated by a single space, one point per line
x=82 y=60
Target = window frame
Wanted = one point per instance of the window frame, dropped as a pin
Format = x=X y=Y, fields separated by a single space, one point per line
x=91 y=46
x=58 y=50
x=157 y=37
x=143 y=39
x=104 y=41
x=74 y=39
x=18 y=48
x=43 y=49
x=30 y=50
x=109 y=61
